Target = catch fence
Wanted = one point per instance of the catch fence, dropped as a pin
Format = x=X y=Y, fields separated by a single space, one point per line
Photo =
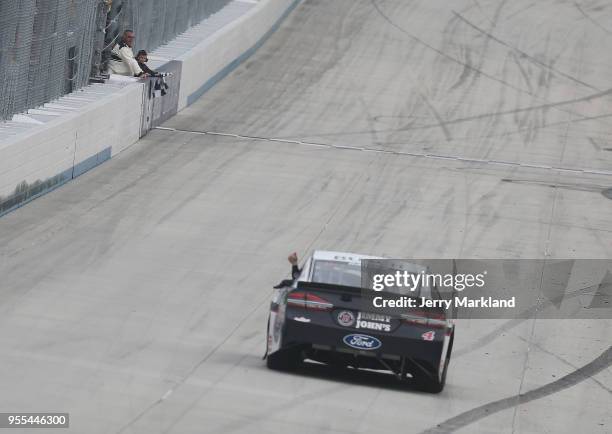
x=52 y=47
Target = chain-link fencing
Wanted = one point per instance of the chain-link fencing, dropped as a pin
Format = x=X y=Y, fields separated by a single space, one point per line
x=52 y=47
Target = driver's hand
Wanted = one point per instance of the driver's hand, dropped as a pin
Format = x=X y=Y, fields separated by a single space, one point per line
x=293 y=258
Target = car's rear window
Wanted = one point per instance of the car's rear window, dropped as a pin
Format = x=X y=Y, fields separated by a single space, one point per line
x=349 y=274
x=337 y=273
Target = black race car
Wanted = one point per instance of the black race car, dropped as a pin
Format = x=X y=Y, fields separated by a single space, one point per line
x=321 y=317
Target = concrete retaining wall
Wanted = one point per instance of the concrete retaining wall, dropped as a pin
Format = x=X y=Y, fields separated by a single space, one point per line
x=210 y=61
x=68 y=143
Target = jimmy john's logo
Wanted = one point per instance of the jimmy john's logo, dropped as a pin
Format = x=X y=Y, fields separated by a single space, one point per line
x=346 y=318
x=373 y=321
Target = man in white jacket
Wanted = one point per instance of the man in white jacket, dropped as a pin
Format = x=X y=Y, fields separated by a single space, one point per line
x=122 y=60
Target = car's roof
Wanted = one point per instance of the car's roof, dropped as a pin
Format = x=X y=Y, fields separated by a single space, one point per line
x=329 y=255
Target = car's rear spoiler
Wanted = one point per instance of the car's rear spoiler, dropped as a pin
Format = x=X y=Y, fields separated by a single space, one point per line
x=342 y=289
x=329 y=287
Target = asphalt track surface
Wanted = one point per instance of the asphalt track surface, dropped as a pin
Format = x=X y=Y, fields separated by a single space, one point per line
x=136 y=297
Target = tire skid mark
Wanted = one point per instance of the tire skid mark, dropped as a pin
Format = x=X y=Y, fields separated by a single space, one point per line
x=441 y=123
x=481 y=56
x=485 y=136
x=466 y=65
x=520 y=11
x=482 y=12
x=521 y=317
x=529 y=108
x=522 y=71
x=591 y=19
x=593 y=142
x=466 y=81
x=442 y=53
x=466 y=70
x=494 y=22
x=567 y=363
x=592 y=188
x=515 y=111
x=581 y=118
x=468 y=417
x=524 y=54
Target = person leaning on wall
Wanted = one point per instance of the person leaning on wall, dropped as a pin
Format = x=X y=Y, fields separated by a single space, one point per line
x=160 y=87
x=122 y=61
x=142 y=59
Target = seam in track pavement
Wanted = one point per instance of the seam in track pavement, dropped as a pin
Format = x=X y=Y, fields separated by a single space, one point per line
x=195 y=367
x=531 y=333
x=393 y=152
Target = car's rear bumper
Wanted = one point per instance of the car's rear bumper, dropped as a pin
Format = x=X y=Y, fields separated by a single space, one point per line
x=333 y=339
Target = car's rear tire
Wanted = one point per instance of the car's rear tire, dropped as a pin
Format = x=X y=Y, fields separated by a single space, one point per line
x=284 y=360
x=424 y=383
x=431 y=384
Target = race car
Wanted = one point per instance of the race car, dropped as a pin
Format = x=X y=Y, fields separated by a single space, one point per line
x=320 y=317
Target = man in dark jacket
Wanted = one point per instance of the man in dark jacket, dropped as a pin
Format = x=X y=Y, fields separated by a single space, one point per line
x=142 y=60
x=160 y=86
x=295 y=271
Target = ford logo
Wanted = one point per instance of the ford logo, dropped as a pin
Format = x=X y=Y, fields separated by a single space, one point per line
x=362 y=342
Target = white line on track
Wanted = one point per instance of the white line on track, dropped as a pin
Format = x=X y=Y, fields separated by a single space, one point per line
x=403 y=153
